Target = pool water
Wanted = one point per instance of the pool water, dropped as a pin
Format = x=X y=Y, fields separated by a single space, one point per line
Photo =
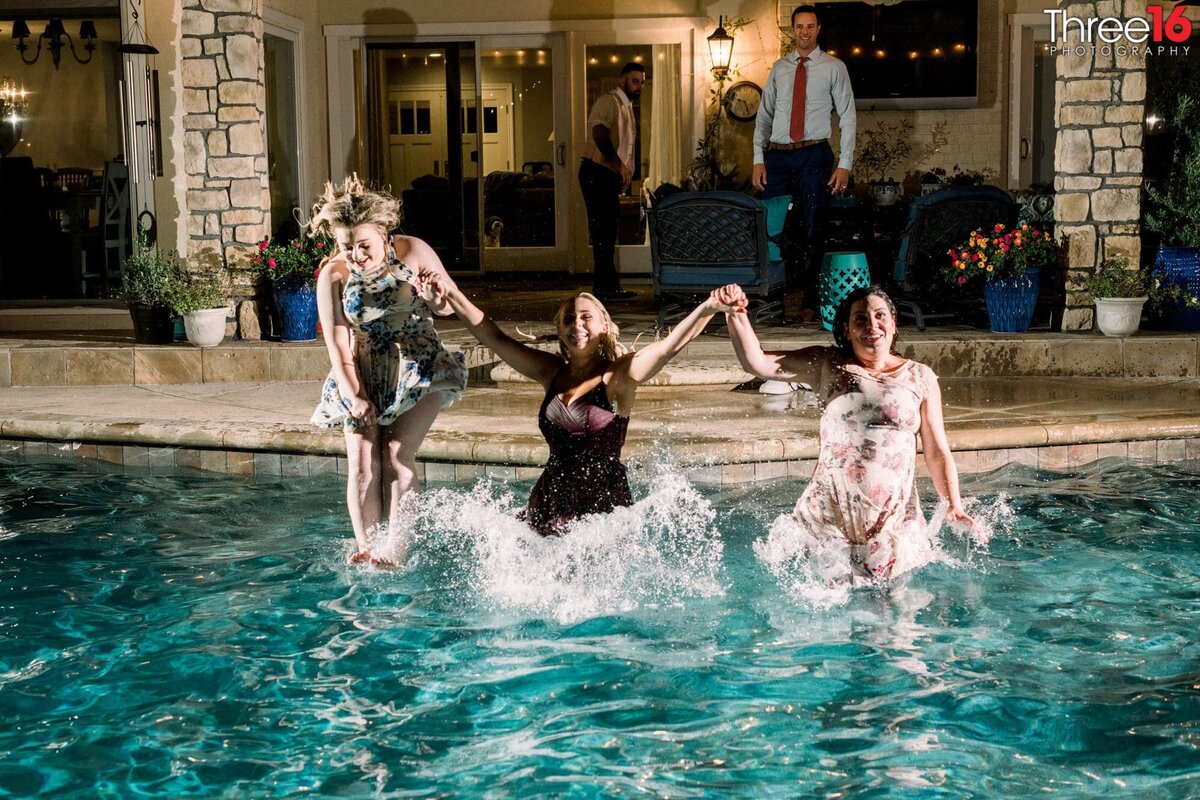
x=198 y=635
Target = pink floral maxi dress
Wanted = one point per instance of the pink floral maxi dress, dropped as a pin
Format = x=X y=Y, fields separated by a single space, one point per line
x=863 y=488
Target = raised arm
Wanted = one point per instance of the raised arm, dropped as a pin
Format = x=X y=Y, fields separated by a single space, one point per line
x=938 y=458
x=804 y=365
x=647 y=362
x=534 y=364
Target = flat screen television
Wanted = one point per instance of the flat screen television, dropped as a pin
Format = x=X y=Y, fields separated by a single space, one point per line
x=906 y=54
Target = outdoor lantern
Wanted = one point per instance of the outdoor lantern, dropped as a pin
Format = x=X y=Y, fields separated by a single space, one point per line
x=720 y=48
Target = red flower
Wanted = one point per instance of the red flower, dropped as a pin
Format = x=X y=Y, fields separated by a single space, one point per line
x=262 y=245
x=271 y=263
x=296 y=244
x=320 y=245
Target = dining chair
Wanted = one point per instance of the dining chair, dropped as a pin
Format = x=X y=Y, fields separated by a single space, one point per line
x=75 y=178
x=108 y=244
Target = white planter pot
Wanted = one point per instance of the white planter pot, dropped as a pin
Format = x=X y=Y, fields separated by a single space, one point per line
x=206 y=327
x=1119 y=316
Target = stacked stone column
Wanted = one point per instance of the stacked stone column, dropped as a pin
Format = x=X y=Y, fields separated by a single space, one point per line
x=227 y=202
x=1099 y=108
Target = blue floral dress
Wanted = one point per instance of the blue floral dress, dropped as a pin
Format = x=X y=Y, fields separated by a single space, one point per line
x=397 y=352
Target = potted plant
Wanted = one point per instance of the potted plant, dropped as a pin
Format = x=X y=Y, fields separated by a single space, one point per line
x=931 y=180
x=1008 y=263
x=292 y=268
x=146 y=275
x=884 y=148
x=1119 y=292
x=198 y=298
x=1171 y=210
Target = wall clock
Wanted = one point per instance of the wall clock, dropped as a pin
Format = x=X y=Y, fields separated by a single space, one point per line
x=742 y=99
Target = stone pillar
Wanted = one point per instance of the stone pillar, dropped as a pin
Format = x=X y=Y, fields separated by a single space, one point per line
x=225 y=157
x=1100 y=96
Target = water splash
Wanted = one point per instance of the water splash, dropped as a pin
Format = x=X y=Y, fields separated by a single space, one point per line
x=815 y=571
x=658 y=551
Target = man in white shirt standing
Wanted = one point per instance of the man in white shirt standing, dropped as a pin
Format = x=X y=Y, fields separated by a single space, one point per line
x=605 y=173
x=792 y=155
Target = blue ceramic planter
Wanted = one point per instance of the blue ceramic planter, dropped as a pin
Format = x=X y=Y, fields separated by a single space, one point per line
x=1181 y=266
x=297 y=304
x=1010 y=301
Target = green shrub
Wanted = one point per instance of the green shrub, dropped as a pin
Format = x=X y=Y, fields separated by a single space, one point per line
x=1115 y=278
x=146 y=274
x=188 y=292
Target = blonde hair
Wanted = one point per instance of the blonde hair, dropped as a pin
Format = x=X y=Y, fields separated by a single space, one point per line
x=610 y=345
x=353 y=204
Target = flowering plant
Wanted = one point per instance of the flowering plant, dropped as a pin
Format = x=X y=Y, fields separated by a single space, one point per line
x=999 y=253
x=300 y=256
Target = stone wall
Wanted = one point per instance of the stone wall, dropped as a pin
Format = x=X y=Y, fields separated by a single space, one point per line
x=1098 y=156
x=228 y=203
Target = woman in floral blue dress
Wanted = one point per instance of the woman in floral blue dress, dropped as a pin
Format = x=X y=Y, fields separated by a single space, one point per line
x=390 y=373
x=874 y=406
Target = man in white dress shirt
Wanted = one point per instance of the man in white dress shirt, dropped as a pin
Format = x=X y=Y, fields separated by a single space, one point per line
x=605 y=173
x=792 y=155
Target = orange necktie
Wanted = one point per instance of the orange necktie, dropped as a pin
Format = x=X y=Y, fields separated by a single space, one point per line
x=799 y=99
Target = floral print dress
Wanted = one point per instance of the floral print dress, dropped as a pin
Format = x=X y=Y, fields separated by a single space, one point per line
x=397 y=352
x=863 y=488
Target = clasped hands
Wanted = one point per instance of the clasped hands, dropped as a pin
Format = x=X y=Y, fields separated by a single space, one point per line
x=730 y=298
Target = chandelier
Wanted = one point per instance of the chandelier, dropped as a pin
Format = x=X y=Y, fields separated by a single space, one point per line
x=56 y=38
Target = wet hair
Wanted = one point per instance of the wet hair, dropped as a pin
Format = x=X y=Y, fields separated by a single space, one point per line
x=806 y=9
x=610 y=345
x=841 y=318
x=353 y=204
x=632 y=66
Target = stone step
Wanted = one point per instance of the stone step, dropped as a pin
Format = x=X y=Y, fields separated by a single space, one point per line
x=77 y=360
x=82 y=318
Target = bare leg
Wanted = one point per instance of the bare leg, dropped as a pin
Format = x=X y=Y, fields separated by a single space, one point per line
x=400 y=442
x=364 y=494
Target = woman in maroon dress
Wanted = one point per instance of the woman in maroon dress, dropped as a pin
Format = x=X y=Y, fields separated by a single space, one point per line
x=590 y=386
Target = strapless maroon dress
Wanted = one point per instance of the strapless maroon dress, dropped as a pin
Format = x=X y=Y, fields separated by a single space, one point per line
x=584 y=474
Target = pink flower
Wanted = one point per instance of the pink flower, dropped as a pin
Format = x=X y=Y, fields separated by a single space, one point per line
x=262 y=245
x=961 y=280
x=271 y=263
x=316 y=272
x=999 y=227
x=320 y=245
x=296 y=244
x=257 y=260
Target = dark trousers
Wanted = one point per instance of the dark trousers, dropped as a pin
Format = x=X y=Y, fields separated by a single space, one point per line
x=602 y=195
x=803 y=174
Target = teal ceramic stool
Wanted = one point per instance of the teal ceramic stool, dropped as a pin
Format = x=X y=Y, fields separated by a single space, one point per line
x=841 y=273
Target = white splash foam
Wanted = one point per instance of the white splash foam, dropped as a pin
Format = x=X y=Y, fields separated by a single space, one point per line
x=658 y=551
x=815 y=571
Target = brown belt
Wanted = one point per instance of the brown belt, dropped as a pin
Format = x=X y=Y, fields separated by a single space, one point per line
x=795 y=145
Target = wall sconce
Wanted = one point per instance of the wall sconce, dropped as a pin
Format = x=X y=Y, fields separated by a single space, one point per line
x=720 y=49
x=56 y=38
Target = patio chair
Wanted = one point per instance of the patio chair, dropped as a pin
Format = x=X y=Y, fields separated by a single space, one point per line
x=936 y=223
x=700 y=241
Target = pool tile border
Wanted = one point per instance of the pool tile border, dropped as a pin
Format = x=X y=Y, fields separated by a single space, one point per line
x=268 y=465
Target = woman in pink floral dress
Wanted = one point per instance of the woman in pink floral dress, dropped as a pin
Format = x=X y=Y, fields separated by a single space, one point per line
x=874 y=405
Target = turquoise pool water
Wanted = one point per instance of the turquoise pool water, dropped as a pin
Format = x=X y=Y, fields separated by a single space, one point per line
x=201 y=636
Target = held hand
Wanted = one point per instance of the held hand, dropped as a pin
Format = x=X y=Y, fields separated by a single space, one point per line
x=758 y=176
x=731 y=298
x=839 y=180
x=626 y=176
x=430 y=287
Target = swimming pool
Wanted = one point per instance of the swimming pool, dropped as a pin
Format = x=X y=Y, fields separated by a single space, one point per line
x=199 y=635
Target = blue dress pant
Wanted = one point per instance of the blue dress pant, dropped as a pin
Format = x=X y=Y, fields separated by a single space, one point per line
x=602 y=195
x=803 y=174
